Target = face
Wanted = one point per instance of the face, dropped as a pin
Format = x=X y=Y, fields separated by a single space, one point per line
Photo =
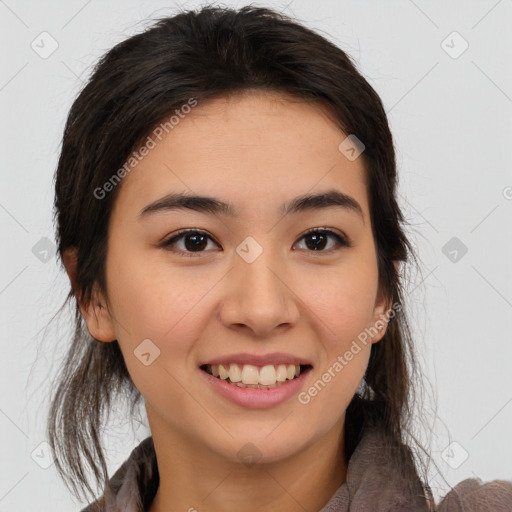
x=249 y=281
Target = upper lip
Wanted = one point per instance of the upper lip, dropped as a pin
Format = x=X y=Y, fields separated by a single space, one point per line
x=275 y=358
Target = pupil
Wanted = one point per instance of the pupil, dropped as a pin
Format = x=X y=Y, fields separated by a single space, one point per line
x=193 y=246
x=316 y=236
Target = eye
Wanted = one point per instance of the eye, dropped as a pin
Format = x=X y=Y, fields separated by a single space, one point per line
x=318 y=239
x=194 y=241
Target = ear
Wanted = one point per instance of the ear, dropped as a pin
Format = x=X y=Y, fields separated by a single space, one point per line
x=381 y=313
x=96 y=314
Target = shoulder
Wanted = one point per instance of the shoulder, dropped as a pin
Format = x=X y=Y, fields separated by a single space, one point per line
x=133 y=485
x=472 y=495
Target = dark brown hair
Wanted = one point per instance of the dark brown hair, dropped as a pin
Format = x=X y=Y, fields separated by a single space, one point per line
x=205 y=54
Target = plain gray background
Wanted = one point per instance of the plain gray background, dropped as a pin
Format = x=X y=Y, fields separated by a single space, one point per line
x=450 y=110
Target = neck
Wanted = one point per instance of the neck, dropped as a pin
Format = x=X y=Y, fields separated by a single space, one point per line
x=194 y=479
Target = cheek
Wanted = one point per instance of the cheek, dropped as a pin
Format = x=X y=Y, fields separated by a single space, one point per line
x=151 y=299
x=343 y=312
x=168 y=306
x=341 y=299
x=168 y=311
x=334 y=384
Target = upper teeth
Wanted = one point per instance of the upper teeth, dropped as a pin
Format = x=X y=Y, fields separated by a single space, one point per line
x=250 y=374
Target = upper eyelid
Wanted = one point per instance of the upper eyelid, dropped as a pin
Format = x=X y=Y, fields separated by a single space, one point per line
x=183 y=232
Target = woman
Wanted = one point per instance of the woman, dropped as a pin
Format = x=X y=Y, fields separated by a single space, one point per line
x=226 y=213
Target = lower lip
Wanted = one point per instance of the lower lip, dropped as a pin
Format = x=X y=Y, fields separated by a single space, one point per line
x=257 y=398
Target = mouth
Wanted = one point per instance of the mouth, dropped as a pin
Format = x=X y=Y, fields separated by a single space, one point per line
x=256 y=377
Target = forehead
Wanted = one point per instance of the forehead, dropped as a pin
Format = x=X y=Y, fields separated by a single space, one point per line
x=252 y=148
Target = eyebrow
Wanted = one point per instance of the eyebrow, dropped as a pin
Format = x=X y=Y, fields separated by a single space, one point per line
x=211 y=205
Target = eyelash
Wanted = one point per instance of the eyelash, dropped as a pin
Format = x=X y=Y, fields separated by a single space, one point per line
x=167 y=244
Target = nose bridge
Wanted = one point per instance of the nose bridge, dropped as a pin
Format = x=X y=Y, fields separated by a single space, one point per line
x=258 y=296
x=262 y=279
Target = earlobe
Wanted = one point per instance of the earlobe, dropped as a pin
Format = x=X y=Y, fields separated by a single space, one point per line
x=98 y=318
x=380 y=318
x=96 y=314
x=379 y=330
x=383 y=311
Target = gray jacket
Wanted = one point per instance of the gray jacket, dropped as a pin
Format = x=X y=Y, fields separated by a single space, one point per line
x=372 y=485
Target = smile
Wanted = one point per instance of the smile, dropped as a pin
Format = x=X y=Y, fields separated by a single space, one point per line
x=256 y=395
x=252 y=376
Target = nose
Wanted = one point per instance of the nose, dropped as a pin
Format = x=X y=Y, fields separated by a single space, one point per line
x=258 y=298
